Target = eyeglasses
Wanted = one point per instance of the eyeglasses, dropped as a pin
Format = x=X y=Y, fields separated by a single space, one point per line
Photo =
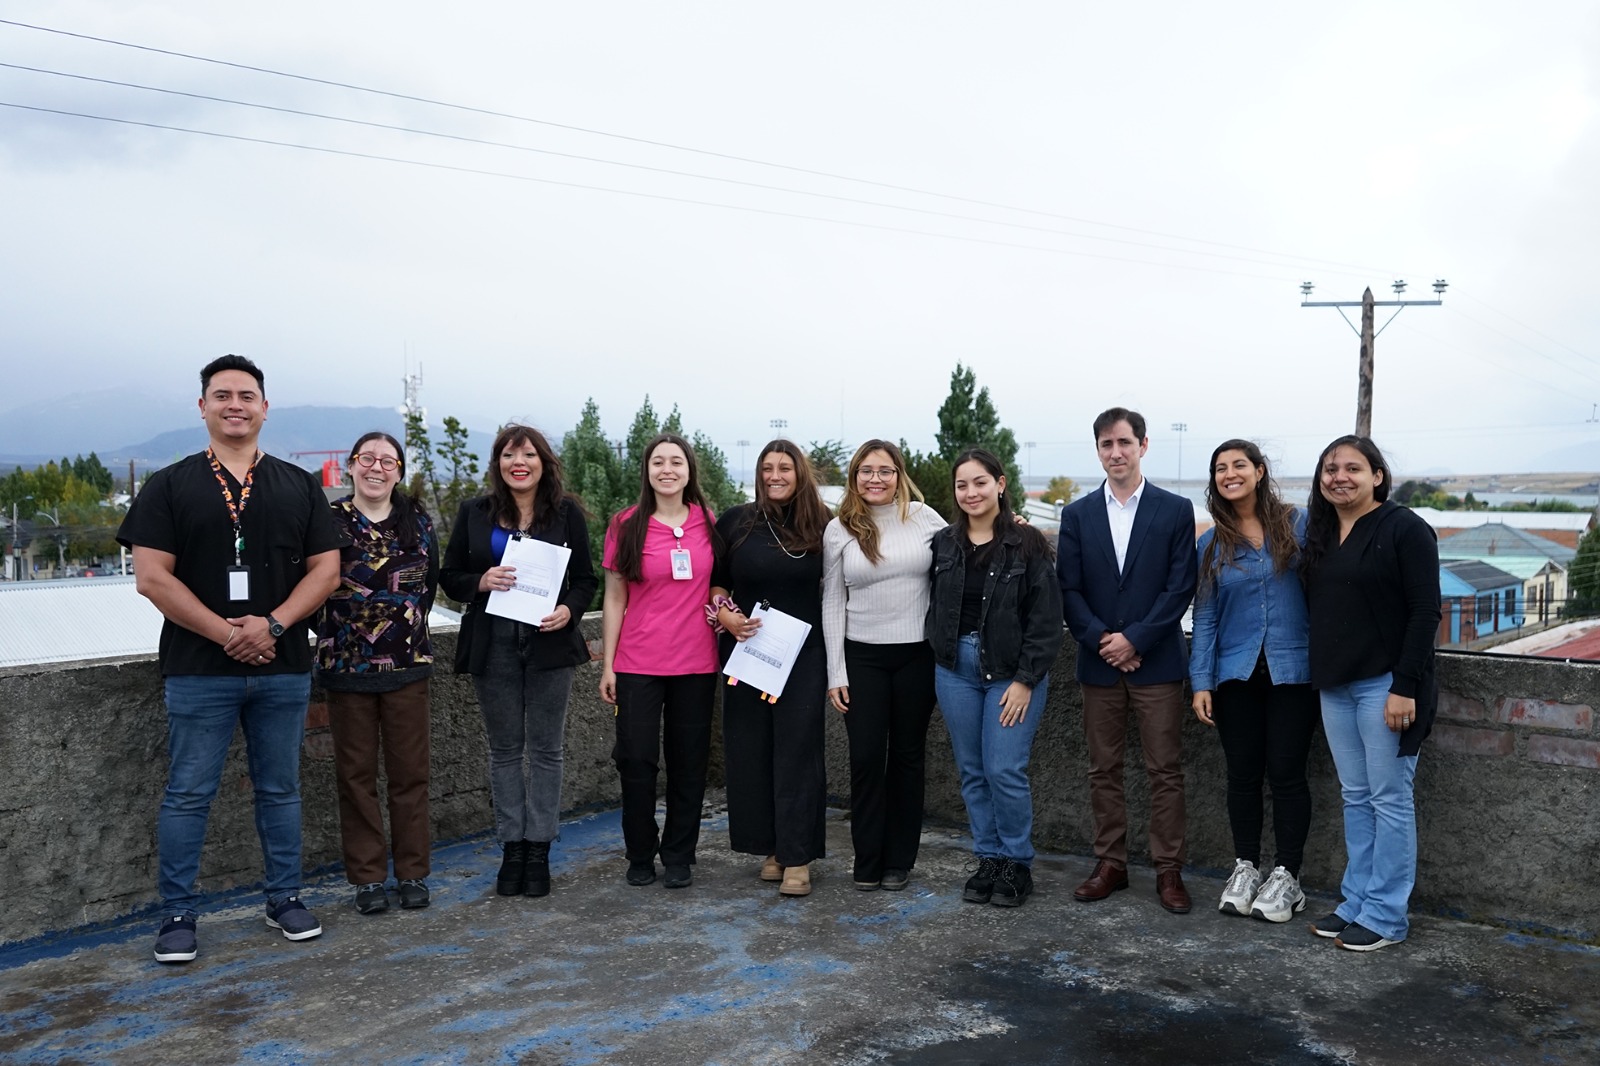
x=883 y=473
x=368 y=460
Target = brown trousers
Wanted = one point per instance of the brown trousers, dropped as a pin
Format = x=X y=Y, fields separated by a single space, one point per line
x=397 y=721
x=1159 y=711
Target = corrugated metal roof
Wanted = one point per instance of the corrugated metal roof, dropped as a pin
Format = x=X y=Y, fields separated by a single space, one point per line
x=1499 y=538
x=1520 y=566
x=1478 y=575
x=89 y=618
x=1569 y=521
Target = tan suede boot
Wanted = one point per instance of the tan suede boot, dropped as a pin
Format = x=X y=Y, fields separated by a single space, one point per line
x=796 y=881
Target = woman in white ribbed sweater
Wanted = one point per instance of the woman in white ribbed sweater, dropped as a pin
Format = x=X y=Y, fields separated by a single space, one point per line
x=876 y=562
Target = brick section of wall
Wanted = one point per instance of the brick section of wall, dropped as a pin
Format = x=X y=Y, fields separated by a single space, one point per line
x=1573 y=717
x=1454 y=708
x=1464 y=740
x=1565 y=751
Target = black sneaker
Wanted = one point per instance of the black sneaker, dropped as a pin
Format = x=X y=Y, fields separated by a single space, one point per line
x=371 y=898
x=176 y=941
x=1329 y=926
x=512 y=878
x=1357 y=937
x=980 y=886
x=1012 y=885
x=641 y=872
x=292 y=917
x=678 y=876
x=413 y=894
x=894 y=880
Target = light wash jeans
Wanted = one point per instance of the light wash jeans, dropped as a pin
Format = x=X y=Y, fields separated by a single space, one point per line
x=1380 y=820
x=992 y=758
x=201 y=714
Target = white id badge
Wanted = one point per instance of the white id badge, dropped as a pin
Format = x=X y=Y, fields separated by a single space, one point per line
x=238 y=582
x=681 y=570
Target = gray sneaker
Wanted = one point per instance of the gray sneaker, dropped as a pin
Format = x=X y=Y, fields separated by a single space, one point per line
x=1240 y=891
x=292 y=917
x=1280 y=898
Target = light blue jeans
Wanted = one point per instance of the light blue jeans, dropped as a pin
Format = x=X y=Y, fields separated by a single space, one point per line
x=1380 y=819
x=201 y=714
x=992 y=758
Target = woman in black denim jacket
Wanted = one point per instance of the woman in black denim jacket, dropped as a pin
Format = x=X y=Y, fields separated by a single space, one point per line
x=994 y=622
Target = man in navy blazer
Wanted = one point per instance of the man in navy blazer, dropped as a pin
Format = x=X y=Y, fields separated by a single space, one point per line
x=1127 y=568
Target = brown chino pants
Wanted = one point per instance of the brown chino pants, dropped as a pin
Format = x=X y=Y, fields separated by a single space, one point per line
x=1159 y=711
x=397 y=721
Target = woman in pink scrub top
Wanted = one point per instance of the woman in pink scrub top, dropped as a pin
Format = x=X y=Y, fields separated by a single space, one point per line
x=659 y=666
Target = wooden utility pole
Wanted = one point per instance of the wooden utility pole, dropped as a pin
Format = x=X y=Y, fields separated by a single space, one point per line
x=1369 y=336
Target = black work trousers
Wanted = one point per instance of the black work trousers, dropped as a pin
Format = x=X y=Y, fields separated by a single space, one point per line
x=670 y=718
x=891 y=703
x=1266 y=731
x=773 y=761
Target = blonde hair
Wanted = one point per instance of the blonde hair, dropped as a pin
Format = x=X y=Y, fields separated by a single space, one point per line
x=855 y=515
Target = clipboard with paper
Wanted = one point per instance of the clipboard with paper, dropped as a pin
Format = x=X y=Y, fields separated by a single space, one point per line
x=768 y=657
x=541 y=567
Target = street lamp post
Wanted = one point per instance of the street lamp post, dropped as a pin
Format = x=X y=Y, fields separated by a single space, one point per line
x=61 y=547
x=743 y=444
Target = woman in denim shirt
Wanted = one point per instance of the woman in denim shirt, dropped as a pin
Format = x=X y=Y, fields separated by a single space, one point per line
x=994 y=622
x=1250 y=671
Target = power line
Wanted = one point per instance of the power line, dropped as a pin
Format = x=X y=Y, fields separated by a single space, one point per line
x=625 y=192
x=631 y=166
x=679 y=147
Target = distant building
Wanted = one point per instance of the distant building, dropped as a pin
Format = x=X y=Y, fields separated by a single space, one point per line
x=1477 y=601
x=1562 y=528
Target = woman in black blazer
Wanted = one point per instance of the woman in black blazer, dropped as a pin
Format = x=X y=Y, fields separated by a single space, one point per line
x=523 y=673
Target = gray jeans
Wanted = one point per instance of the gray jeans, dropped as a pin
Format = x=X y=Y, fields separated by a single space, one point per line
x=525 y=714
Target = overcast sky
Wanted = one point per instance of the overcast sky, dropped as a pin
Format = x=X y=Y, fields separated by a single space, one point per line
x=1167 y=173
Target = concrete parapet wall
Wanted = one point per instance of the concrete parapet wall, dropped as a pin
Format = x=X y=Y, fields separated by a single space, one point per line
x=1508 y=792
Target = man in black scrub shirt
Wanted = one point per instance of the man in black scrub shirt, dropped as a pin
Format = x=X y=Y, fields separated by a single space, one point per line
x=235 y=549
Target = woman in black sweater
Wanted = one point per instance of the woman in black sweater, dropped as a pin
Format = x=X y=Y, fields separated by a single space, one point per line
x=1371 y=570
x=773 y=751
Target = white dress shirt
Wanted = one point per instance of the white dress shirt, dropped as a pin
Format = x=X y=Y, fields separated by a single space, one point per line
x=1121 y=516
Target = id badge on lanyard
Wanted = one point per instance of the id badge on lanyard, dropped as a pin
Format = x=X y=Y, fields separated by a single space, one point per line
x=682 y=568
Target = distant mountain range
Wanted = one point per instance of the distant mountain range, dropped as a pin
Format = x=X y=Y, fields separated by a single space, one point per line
x=105 y=422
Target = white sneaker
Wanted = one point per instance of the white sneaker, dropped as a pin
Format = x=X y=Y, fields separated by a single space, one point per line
x=1240 y=891
x=1280 y=898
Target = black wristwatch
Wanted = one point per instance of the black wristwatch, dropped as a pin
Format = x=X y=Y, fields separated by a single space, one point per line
x=274 y=627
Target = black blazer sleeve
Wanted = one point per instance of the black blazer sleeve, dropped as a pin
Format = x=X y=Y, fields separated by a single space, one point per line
x=582 y=581
x=463 y=567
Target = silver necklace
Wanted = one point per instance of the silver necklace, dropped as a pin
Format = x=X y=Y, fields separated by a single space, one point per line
x=779 y=540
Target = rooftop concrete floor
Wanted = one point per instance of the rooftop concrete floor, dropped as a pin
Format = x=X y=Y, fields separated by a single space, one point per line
x=726 y=971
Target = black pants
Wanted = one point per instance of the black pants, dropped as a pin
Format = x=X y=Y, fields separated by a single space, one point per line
x=773 y=760
x=1266 y=730
x=669 y=716
x=891 y=702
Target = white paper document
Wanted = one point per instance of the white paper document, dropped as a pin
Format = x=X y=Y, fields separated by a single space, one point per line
x=537 y=593
x=766 y=658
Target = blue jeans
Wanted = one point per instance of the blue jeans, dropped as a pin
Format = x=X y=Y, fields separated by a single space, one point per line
x=201 y=714
x=992 y=758
x=1380 y=820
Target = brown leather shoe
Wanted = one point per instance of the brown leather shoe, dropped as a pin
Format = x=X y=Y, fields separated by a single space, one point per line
x=1105 y=880
x=1174 y=897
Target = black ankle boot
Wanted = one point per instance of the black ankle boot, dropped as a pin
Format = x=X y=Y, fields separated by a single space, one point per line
x=538 y=868
x=513 y=873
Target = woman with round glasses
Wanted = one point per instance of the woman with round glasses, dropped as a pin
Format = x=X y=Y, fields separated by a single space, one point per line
x=522 y=671
x=374 y=659
x=773 y=750
x=876 y=559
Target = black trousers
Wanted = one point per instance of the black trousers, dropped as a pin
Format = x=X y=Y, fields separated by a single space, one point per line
x=891 y=703
x=773 y=761
x=1266 y=731
x=669 y=717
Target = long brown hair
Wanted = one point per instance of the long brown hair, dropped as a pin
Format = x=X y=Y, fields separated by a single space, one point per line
x=854 y=512
x=547 y=495
x=805 y=512
x=1275 y=516
x=631 y=531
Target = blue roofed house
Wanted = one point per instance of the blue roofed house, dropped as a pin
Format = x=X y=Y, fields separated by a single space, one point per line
x=1539 y=562
x=1478 y=600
